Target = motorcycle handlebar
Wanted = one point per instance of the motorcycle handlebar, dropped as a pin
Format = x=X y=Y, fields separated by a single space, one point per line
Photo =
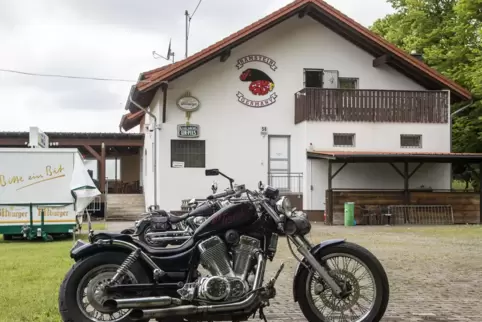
x=221 y=194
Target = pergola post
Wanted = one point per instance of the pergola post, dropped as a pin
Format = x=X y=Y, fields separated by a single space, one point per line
x=329 y=218
x=480 y=192
x=102 y=168
x=406 y=176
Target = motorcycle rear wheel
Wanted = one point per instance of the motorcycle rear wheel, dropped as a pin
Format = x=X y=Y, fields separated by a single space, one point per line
x=69 y=290
x=310 y=289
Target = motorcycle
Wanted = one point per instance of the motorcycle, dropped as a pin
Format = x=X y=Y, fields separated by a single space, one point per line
x=118 y=278
x=160 y=228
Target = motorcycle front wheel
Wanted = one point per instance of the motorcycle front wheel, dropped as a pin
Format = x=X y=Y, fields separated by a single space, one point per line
x=355 y=268
x=81 y=294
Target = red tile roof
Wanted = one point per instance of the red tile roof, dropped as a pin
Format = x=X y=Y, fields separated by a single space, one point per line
x=131 y=120
x=166 y=73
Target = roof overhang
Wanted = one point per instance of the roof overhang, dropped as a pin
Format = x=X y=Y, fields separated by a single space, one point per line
x=131 y=120
x=388 y=157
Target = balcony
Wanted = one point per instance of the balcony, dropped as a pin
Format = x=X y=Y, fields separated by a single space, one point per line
x=370 y=105
x=286 y=182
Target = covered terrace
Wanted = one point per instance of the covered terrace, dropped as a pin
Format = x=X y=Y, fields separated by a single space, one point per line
x=464 y=206
x=123 y=148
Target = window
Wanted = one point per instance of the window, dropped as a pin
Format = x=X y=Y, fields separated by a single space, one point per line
x=411 y=140
x=343 y=139
x=314 y=78
x=348 y=83
x=188 y=154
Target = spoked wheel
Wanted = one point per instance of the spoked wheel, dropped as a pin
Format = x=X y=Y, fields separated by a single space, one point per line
x=82 y=295
x=359 y=273
x=90 y=294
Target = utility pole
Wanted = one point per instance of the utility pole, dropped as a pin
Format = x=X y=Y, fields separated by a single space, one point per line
x=186 y=13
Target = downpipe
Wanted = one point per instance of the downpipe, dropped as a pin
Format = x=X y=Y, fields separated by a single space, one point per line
x=246 y=305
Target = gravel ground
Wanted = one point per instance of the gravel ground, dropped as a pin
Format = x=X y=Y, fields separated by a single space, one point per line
x=434 y=272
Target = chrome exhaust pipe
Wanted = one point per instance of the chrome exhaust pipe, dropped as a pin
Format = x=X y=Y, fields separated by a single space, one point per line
x=168 y=233
x=168 y=239
x=246 y=305
x=141 y=302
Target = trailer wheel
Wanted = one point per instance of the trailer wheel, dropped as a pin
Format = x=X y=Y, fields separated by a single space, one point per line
x=7 y=237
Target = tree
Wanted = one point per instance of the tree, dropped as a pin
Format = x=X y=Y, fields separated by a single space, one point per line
x=449 y=35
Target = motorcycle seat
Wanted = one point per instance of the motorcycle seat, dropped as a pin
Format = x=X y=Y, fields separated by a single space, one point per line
x=175 y=219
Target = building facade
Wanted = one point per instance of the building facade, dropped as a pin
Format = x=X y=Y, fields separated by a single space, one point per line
x=255 y=109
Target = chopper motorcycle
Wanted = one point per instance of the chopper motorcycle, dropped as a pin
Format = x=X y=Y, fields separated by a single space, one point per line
x=118 y=278
x=159 y=228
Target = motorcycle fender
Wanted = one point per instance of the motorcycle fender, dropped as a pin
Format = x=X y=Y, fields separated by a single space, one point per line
x=314 y=251
x=141 y=226
x=83 y=249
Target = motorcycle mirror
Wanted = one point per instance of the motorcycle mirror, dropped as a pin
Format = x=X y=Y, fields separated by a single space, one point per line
x=214 y=187
x=260 y=185
x=212 y=172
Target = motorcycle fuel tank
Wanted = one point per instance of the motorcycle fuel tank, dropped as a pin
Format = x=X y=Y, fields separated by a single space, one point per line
x=232 y=217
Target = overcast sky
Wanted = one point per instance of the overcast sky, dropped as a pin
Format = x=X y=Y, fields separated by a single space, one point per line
x=109 y=39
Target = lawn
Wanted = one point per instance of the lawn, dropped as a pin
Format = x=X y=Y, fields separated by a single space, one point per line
x=31 y=273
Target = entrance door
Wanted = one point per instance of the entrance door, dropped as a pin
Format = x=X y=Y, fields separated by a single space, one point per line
x=279 y=161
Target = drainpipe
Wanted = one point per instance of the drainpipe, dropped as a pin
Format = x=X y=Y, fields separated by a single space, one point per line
x=155 y=145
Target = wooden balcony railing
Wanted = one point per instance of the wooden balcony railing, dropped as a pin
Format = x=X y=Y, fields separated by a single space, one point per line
x=368 y=105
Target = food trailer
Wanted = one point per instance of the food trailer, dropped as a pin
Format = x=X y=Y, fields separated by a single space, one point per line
x=43 y=192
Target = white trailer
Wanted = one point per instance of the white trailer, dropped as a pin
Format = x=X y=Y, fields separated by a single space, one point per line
x=42 y=191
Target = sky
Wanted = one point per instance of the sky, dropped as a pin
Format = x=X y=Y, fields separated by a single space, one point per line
x=109 y=39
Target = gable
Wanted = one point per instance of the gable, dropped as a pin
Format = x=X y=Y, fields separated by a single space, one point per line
x=380 y=49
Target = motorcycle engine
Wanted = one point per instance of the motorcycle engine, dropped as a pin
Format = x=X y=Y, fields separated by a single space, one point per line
x=229 y=279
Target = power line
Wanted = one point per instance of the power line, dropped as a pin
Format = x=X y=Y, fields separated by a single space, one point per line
x=71 y=77
x=195 y=9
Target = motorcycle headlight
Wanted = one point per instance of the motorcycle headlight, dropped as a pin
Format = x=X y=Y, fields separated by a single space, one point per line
x=284 y=206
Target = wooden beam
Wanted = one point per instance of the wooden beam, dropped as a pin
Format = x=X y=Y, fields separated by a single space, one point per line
x=65 y=142
x=396 y=169
x=338 y=171
x=415 y=170
x=93 y=152
x=13 y=142
x=102 y=169
x=225 y=55
x=382 y=60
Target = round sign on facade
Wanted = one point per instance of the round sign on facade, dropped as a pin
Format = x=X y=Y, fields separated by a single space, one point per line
x=188 y=103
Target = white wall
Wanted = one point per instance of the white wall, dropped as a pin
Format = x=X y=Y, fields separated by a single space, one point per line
x=378 y=137
x=232 y=130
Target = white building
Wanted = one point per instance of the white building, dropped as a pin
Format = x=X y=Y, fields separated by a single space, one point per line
x=324 y=83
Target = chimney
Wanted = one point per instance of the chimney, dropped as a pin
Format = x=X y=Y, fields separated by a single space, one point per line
x=418 y=56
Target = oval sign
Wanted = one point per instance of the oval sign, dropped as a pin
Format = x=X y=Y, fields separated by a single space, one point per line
x=188 y=103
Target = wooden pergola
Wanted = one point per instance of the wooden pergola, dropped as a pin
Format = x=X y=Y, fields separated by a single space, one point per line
x=347 y=157
x=100 y=146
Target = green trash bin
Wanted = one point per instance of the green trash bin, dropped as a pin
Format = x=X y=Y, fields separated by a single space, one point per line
x=349 y=214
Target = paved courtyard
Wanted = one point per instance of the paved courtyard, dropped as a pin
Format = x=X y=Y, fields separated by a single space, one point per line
x=435 y=273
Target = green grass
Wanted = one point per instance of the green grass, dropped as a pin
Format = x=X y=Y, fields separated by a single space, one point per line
x=96 y=225
x=31 y=273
